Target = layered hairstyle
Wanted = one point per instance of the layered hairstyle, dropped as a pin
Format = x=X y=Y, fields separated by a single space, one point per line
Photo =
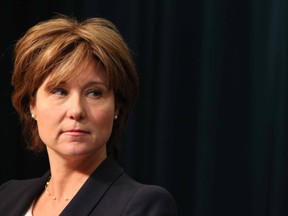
x=62 y=46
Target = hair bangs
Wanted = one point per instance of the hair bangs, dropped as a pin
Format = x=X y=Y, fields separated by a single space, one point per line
x=71 y=65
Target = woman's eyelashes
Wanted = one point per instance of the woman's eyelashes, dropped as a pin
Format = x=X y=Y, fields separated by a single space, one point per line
x=59 y=91
x=93 y=93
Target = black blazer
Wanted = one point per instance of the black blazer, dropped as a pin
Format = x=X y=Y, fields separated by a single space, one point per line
x=107 y=192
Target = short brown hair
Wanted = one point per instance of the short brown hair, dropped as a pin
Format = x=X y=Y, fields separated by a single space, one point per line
x=62 y=46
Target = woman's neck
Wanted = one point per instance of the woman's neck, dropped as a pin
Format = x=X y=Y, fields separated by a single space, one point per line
x=68 y=176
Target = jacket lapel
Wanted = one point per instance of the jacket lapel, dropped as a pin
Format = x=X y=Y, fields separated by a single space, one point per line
x=93 y=189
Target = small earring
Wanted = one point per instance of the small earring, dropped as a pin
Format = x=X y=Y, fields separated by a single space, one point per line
x=33 y=115
x=115 y=117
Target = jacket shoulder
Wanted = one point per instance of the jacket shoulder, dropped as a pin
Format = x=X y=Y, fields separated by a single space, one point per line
x=133 y=198
x=151 y=200
x=13 y=187
x=17 y=195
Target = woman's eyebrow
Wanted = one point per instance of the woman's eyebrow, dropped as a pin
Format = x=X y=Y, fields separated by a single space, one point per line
x=97 y=83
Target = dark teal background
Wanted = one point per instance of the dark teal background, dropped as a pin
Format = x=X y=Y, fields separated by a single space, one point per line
x=210 y=124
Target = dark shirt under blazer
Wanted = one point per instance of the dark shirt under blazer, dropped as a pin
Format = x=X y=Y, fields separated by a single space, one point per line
x=109 y=191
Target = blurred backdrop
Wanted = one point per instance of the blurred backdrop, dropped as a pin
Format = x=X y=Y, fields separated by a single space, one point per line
x=210 y=124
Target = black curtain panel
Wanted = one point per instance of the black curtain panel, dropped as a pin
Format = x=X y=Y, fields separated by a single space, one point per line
x=210 y=124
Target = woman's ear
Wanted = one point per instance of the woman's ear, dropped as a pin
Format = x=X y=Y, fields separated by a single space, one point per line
x=116 y=113
x=117 y=110
x=32 y=108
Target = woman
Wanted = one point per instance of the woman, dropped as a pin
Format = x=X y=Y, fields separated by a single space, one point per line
x=74 y=87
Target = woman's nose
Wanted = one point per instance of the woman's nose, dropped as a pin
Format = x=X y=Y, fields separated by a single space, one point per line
x=76 y=108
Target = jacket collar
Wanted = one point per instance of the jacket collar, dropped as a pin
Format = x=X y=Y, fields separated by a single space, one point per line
x=93 y=189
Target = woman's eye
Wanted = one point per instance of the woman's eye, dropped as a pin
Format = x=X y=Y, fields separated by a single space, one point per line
x=94 y=93
x=59 y=91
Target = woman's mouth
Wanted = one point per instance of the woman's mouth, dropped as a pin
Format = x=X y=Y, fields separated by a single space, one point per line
x=75 y=132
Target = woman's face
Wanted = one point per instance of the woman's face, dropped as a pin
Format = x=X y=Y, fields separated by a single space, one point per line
x=76 y=118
